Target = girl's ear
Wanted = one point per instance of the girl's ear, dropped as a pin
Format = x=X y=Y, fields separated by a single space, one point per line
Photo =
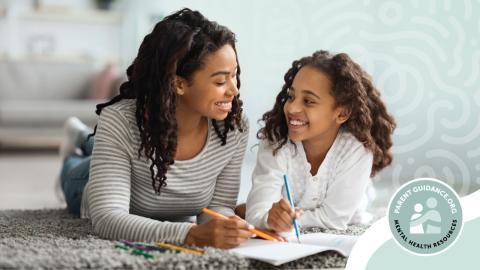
x=343 y=114
x=180 y=85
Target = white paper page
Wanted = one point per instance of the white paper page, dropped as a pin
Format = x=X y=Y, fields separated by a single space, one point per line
x=340 y=243
x=275 y=253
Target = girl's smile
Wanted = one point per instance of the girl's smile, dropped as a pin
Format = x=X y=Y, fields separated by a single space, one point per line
x=296 y=123
x=310 y=109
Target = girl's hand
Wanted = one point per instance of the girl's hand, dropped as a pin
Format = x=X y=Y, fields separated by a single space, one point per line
x=280 y=216
x=219 y=233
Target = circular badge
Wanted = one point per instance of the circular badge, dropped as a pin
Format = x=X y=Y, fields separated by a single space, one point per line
x=425 y=216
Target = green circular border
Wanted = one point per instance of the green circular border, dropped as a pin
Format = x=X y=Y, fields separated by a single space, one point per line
x=422 y=239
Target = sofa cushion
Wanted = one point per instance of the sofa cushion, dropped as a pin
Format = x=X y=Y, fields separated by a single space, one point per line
x=45 y=112
x=44 y=79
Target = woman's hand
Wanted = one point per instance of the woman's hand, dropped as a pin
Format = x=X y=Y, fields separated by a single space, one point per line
x=220 y=233
x=280 y=216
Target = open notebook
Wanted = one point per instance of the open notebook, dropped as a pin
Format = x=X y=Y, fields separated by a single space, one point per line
x=277 y=253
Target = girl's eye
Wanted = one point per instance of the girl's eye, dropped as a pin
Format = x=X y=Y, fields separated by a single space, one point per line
x=289 y=97
x=220 y=83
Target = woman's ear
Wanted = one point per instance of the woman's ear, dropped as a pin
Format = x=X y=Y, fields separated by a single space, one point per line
x=343 y=114
x=180 y=85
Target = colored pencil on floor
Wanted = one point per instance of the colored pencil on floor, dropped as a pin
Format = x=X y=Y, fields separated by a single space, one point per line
x=183 y=249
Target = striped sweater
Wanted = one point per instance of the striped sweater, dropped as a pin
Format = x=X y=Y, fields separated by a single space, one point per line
x=119 y=198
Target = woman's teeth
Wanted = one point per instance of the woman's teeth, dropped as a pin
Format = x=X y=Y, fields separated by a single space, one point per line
x=224 y=105
x=297 y=123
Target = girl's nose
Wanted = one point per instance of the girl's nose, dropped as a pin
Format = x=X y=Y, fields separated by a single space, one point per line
x=293 y=107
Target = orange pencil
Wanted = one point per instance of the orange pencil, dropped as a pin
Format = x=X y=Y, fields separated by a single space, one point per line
x=255 y=231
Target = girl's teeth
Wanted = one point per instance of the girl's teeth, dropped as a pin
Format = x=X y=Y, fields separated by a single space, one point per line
x=297 y=123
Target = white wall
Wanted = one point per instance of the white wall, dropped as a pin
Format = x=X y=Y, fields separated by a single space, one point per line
x=424 y=57
x=25 y=31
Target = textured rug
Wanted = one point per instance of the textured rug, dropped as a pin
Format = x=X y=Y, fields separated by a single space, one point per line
x=54 y=239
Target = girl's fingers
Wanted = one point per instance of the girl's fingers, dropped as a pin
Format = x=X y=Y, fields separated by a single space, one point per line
x=287 y=219
x=283 y=221
x=299 y=212
x=285 y=206
x=275 y=222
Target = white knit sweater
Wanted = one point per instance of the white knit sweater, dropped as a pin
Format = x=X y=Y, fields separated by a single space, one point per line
x=330 y=199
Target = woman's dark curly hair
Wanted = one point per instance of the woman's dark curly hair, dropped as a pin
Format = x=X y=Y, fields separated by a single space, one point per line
x=353 y=89
x=178 y=46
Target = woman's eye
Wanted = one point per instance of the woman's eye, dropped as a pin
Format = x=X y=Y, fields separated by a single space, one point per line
x=307 y=101
x=220 y=83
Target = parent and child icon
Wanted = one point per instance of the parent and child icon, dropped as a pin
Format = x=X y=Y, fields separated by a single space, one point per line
x=427 y=222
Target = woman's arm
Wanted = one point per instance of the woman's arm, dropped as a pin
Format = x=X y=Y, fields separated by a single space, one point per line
x=109 y=191
x=227 y=185
x=266 y=185
x=344 y=193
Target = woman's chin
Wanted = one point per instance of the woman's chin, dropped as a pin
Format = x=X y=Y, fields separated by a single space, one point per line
x=219 y=116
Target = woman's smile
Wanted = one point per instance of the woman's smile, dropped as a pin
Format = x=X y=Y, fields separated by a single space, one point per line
x=224 y=106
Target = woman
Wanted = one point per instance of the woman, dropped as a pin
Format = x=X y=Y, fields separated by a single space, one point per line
x=170 y=144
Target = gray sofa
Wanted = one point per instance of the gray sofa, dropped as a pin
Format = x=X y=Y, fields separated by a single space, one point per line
x=36 y=96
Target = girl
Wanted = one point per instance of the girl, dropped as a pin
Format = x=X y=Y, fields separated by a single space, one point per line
x=170 y=144
x=329 y=132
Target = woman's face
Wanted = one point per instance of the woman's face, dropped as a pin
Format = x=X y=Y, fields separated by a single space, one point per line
x=212 y=88
x=310 y=109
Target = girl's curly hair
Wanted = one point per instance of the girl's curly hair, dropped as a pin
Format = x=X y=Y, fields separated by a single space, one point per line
x=353 y=89
x=177 y=45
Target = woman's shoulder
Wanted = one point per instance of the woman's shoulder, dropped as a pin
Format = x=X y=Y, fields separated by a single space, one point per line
x=119 y=119
x=123 y=110
x=125 y=107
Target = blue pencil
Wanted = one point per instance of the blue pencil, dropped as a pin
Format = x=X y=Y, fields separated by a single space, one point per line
x=290 y=199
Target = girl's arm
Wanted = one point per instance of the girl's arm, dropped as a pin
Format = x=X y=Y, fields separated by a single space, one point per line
x=266 y=185
x=227 y=185
x=343 y=194
x=109 y=191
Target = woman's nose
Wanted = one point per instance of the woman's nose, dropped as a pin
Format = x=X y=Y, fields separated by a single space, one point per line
x=232 y=88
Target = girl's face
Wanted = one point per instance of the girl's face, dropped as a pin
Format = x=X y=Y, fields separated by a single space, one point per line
x=212 y=88
x=310 y=108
